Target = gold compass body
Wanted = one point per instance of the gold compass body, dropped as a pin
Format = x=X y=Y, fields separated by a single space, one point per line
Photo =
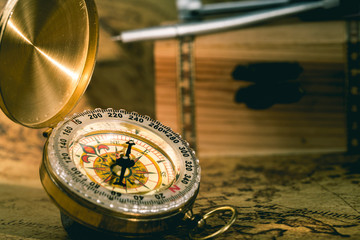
x=108 y=170
x=123 y=169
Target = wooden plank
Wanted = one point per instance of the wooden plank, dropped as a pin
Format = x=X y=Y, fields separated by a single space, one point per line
x=315 y=123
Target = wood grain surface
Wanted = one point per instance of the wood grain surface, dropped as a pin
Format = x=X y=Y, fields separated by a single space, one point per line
x=315 y=123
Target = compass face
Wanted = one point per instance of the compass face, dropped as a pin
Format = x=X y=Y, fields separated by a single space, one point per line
x=97 y=154
x=123 y=162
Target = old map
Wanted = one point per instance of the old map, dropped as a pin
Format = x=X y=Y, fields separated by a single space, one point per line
x=277 y=197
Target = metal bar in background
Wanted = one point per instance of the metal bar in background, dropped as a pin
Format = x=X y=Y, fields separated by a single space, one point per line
x=353 y=87
x=211 y=26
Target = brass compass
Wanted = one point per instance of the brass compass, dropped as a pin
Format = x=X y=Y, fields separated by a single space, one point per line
x=110 y=170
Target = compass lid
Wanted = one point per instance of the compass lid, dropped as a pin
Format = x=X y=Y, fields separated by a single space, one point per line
x=47 y=55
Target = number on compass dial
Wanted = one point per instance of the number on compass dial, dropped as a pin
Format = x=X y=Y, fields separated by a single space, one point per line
x=123 y=163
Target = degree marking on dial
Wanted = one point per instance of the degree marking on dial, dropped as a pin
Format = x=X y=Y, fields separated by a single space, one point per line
x=157 y=154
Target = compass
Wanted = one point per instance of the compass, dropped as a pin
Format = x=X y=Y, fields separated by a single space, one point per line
x=112 y=171
x=139 y=175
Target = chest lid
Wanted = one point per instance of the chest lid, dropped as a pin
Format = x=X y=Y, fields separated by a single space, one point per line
x=47 y=55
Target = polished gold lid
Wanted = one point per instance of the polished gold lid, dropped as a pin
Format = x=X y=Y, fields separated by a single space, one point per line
x=47 y=55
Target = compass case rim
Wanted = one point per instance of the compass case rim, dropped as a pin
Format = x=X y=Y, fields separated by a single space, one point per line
x=76 y=196
x=187 y=175
x=121 y=224
x=56 y=72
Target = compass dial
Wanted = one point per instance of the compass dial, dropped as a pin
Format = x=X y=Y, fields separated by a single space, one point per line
x=121 y=163
x=102 y=157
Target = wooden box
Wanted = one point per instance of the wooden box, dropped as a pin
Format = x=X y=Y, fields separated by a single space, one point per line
x=316 y=123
